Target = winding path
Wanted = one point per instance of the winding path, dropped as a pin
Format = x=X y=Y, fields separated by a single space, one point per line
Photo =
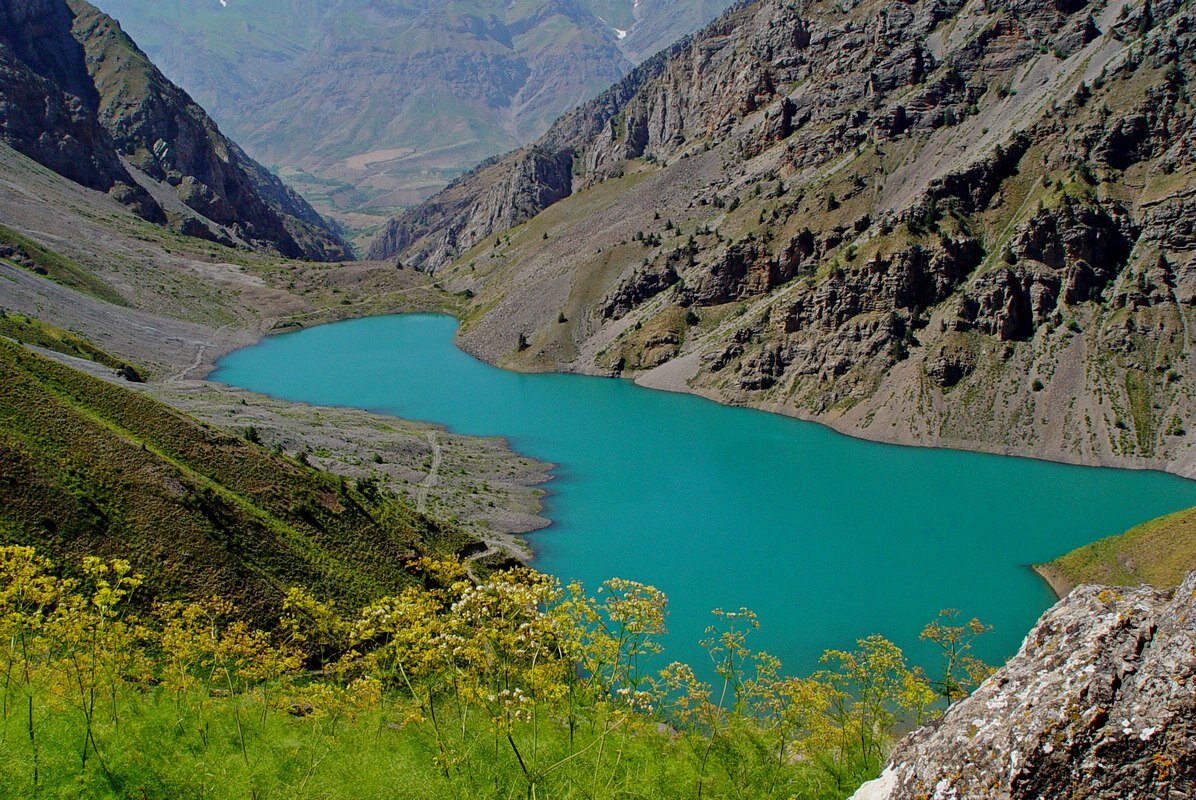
x=433 y=477
x=185 y=372
x=493 y=546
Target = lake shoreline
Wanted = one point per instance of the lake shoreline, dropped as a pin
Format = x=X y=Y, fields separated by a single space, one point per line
x=1060 y=584
x=206 y=364
x=675 y=382
x=512 y=542
x=719 y=505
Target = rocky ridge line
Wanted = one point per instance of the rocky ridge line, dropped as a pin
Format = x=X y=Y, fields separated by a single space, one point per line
x=80 y=98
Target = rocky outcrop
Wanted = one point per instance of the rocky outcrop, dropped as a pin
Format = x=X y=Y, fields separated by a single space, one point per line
x=915 y=278
x=748 y=269
x=1099 y=703
x=1061 y=256
x=858 y=317
x=639 y=286
x=78 y=96
x=48 y=107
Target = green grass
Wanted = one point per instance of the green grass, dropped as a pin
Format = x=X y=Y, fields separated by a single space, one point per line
x=91 y=467
x=1159 y=552
x=30 y=330
x=1138 y=391
x=160 y=753
x=58 y=268
x=512 y=688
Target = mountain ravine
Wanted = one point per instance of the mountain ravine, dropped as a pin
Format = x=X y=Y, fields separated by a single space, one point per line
x=369 y=106
x=944 y=223
x=79 y=97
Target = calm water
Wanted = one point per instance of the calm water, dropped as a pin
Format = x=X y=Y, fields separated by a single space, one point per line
x=827 y=538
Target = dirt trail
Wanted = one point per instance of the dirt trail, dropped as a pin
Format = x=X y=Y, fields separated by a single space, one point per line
x=185 y=372
x=433 y=474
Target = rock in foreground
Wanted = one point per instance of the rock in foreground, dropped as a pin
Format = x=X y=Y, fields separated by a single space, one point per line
x=1100 y=703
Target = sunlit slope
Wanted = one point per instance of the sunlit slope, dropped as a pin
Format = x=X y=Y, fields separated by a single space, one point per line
x=91 y=467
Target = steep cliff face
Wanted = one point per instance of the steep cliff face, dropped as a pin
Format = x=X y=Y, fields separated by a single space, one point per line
x=81 y=99
x=1099 y=703
x=950 y=222
x=47 y=107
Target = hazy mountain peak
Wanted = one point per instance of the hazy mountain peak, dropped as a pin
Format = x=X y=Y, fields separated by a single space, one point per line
x=370 y=106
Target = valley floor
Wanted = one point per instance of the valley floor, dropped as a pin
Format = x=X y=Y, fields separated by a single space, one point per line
x=172 y=306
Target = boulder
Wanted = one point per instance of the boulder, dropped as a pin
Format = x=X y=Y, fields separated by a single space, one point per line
x=1099 y=703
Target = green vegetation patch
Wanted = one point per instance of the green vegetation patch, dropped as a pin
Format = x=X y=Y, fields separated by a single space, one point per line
x=1138 y=392
x=33 y=331
x=651 y=343
x=513 y=688
x=26 y=253
x=89 y=467
x=1160 y=552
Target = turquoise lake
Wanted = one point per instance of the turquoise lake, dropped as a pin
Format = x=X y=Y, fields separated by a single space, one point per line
x=826 y=537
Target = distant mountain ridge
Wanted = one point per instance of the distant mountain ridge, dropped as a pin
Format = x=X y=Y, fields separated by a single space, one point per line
x=80 y=98
x=368 y=105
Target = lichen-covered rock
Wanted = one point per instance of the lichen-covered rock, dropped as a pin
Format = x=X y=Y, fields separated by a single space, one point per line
x=1100 y=703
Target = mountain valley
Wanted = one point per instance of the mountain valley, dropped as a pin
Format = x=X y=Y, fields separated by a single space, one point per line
x=368 y=106
x=955 y=224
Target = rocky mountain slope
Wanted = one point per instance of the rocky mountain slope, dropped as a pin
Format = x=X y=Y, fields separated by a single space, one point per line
x=368 y=106
x=1099 y=703
x=79 y=97
x=944 y=222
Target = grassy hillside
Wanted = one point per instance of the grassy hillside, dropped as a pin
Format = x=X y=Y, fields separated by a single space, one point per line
x=1159 y=552
x=90 y=467
x=30 y=330
x=29 y=255
x=513 y=688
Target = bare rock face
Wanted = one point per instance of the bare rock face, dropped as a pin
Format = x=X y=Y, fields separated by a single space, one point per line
x=166 y=135
x=1100 y=703
x=48 y=107
x=77 y=95
x=1061 y=256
